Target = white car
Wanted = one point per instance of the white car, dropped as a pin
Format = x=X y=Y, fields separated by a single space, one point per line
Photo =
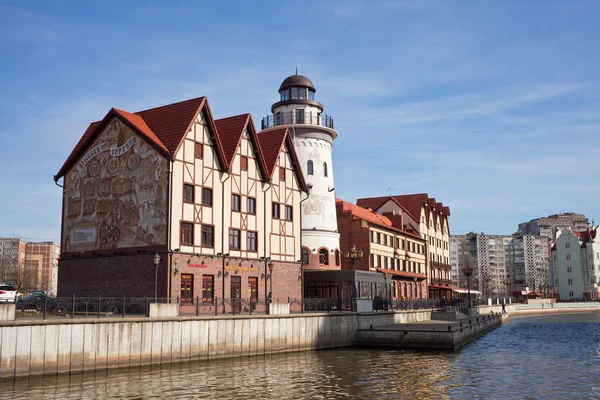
x=8 y=293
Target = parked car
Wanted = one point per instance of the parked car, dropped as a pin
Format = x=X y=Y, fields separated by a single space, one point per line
x=8 y=293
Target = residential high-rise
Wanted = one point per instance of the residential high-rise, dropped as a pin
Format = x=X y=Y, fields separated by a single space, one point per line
x=501 y=263
x=29 y=265
x=548 y=226
x=313 y=134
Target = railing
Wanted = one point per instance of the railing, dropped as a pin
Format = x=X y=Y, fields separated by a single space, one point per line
x=297 y=117
x=439 y=265
x=72 y=307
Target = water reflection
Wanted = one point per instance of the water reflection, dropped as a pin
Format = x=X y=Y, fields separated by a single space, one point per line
x=530 y=357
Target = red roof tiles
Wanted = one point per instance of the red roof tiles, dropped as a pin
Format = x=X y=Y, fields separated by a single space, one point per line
x=271 y=143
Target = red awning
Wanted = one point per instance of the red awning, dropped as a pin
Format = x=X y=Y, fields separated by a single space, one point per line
x=402 y=274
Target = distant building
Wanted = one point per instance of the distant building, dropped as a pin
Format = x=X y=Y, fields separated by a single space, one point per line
x=576 y=265
x=501 y=263
x=29 y=265
x=428 y=218
x=41 y=264
x=548 y=226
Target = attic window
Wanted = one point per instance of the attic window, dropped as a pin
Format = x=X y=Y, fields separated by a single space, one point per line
x=244 y=163
x=198 y=150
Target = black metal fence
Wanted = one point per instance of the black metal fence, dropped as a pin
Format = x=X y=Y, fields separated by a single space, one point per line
x=99 y=307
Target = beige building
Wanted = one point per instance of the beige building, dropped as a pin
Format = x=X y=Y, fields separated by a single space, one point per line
x=429 y=219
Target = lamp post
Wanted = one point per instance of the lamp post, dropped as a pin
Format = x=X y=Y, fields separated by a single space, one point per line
x=223 y=256
x=468 y=271
x=156 y=260
x=353 y=256
x=270 y=266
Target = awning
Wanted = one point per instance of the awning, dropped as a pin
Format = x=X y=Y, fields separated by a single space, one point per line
x=461 y=290
x=402 y=274
x=441 y=287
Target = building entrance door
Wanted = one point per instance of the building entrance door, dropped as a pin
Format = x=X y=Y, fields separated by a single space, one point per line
x=187 y=288
x=236 y=294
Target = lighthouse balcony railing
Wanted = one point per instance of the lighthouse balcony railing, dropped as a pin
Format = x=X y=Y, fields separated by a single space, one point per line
x=297 y=117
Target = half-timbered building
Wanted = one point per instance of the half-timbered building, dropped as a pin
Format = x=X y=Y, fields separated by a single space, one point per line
x=215 y=202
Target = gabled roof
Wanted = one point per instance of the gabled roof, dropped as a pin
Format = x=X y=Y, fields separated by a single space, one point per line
x=374 y=203
x=372 y=217
x=231 y=130
x=589 y=235
x=271 y=144
x=164 y=127
x=413 y=203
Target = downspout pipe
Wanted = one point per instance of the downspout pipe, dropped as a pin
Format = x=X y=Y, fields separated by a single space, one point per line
x=170 y=222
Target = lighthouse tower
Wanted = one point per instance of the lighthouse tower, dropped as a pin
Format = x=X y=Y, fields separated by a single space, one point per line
x=313 y=135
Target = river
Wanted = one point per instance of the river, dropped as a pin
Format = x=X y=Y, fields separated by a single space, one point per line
x=533 y=357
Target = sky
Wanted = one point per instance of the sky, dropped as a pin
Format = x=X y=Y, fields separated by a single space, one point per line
x=491 y=107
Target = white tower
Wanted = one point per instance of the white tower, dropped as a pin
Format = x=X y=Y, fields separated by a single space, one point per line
x=313 y=135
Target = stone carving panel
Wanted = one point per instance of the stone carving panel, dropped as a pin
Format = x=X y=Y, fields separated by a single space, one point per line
x=115 y=194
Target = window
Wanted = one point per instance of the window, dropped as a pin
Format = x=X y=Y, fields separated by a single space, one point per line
x=302 y=93
x=251 y=205
x=294 y=93
x=569 y=269
x=324 y=169
x=276 y=211
x=567 y=245
x=234 y=239
x=372 y=237
x=208 y=288
x=568 y=257
x=236 y=201
x=309 y=167
x=300 y=116
x=252 y=241
x=556 y=281
x=208 y=235
x=278 y=120
x=570 y=281
x=570 y=294
x=378 y=237
x=253 y=287
x=289 y=213
x=372 y=257
x=207 y=197
x=244 y=163
x=323 y=257
x=337 y=258
x=304 y=255
x=385 y=240
x=379 y=261
x=198 y=150
x=281 y=174
x=311 y=95
x=188 y=193
x=187 y=233
x=554 y=257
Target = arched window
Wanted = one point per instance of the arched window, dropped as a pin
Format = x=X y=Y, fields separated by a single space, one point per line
x=305 y=253
x=337 y=258
x=323 y=257
x=309 y=167
x=324 y=169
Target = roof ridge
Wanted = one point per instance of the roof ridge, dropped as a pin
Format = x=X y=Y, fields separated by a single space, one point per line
x=170 y=104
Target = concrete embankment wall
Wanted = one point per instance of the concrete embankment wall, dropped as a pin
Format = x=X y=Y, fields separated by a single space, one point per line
x=556 y=308
x=52 y=347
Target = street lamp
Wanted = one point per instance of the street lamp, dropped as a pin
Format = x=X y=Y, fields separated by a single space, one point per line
x=353 y=256
x=156 y=260
x=270 y=265
x=468 y=271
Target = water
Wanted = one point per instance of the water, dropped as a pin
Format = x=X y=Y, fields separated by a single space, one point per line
x=535 y=357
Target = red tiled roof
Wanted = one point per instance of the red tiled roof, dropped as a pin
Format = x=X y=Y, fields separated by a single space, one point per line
x=403 y=274
x=230 y=132
x=587 y=236
x=141 y=125
x=164 y=126
x=172 y=121
x=373 y=217
x=271 y=143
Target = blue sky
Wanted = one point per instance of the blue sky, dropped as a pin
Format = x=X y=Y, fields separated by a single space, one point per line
x=489 y=106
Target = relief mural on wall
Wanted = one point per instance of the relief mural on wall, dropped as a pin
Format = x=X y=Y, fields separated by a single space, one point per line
x=115 y=195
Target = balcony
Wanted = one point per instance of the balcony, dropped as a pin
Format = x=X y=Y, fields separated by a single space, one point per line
x=442 y=266
x=441 y=282
x=297 y=117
